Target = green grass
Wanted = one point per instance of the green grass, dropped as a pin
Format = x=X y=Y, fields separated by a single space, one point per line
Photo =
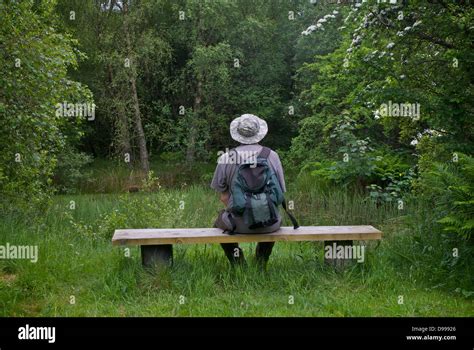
x=104 y=282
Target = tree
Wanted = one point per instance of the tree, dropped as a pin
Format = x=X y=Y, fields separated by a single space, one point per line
x=34 y=59
x=129 y=57
x=396 y=53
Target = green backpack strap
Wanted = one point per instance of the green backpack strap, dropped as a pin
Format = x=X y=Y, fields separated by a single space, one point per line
x=292 y=218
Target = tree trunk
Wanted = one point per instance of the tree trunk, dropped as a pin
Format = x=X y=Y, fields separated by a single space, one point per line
x=144 y=163
x=191 y=151
x=124 y=145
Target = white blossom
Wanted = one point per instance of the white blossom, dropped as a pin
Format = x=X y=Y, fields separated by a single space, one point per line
x=357 y=40
x=431 y=132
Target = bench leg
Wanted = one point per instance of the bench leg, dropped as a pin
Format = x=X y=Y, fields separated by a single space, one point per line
x=157 y=255
x=334 y=261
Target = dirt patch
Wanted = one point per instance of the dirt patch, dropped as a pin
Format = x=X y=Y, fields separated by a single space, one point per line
x=8 y=279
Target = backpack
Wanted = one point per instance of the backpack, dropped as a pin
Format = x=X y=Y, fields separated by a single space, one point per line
x=256 y=194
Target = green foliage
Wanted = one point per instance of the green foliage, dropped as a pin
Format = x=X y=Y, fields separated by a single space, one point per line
x=355 y=162
x=70 y=170
x=392 y=178
x=451 y=188
x=323 y=173
x=376 y=62
x=220 y=61
x=385 y=174
x=171 y=156
x=441 y=225
x=384 y=53
x=107 y=282
x=34 y=59
x=333 y=66
x=132 y=211
x=151 y=183
x=211 y=66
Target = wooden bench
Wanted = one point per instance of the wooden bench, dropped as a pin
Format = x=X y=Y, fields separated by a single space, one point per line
x=157 y=244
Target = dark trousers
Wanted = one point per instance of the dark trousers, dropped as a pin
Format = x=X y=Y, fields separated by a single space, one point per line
x=235 y=254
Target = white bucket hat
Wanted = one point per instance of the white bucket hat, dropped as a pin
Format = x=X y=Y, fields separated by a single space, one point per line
x=248 y=129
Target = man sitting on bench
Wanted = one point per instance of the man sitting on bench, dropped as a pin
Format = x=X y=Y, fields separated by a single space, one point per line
x=251 y=183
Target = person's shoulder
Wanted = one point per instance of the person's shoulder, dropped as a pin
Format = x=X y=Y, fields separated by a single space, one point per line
x=273 y=157
x=273 y=154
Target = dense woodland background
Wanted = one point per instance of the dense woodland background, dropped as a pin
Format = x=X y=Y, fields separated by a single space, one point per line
x=168 y=76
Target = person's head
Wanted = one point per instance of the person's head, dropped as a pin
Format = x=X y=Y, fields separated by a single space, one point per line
x=248 y=129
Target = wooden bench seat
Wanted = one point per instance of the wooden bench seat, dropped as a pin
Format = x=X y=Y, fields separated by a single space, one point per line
x=156 y=244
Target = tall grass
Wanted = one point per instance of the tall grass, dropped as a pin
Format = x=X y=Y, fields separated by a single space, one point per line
x=105 y=176
x=104 y=282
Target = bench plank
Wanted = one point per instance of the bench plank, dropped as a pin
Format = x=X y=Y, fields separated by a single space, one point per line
x=215 y=235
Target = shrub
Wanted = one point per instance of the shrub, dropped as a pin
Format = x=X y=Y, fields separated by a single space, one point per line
x=70 y=170
x=444 y=224
x=451 y=188
x=133 y=211
x=31 y=134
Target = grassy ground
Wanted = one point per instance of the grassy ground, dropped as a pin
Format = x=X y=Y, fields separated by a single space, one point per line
x=79 y=273
x=105 y=176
